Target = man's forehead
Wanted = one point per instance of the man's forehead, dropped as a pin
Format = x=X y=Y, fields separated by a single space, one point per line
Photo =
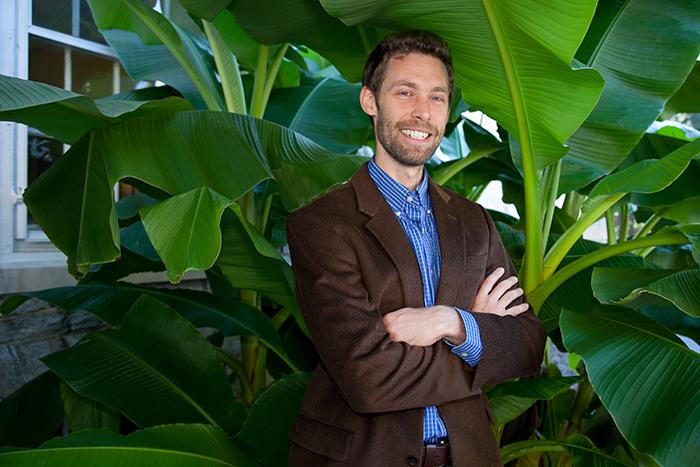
x=398 y=73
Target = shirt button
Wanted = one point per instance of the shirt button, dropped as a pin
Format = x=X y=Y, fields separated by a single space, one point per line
x=412 y=460
x=409 y=198
x=463 y=354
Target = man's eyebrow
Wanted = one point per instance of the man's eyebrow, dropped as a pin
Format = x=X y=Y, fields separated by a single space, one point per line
x=413 y=85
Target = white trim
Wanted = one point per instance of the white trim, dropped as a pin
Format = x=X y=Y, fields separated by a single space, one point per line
x=75 y=18
x=72 y=41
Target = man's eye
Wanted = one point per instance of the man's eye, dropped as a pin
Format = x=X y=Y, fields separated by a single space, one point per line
x=438 y=98
x=404 y=93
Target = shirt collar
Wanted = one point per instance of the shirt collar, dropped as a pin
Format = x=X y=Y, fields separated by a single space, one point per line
x=395 y=193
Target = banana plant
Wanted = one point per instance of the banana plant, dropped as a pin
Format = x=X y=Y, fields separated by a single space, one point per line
x=573 y=86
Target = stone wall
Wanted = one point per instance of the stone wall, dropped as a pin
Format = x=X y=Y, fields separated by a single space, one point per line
x=33 y=331
x=36 y=329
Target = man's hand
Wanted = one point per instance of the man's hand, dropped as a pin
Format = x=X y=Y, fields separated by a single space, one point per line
x=495 y=300
x=423 y=326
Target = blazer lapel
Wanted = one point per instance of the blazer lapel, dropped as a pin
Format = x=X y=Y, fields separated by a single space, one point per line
x=450 y=237
x=390 y=235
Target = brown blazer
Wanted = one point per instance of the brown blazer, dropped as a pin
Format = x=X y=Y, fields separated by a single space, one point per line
x=353 y=264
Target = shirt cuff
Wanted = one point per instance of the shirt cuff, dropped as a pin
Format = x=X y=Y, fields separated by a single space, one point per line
x=470 y=350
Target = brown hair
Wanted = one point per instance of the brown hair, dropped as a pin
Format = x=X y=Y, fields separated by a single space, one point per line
x=401 y=44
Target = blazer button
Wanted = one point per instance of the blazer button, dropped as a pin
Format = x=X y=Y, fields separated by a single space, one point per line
x=412 y=460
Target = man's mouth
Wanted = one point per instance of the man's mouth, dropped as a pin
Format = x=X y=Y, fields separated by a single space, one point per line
x=415 y=134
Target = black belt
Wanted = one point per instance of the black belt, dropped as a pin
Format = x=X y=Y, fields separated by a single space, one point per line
x=436 y=454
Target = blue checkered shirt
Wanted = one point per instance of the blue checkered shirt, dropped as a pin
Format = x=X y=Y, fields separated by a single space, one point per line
x=414 y=212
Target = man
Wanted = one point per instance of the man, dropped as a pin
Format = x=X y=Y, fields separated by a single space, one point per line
x=406 y=289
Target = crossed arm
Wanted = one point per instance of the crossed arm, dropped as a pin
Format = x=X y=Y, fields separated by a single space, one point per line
x=411 y=326
x=375 y=371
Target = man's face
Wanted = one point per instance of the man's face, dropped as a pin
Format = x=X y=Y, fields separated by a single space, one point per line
x=410 y=109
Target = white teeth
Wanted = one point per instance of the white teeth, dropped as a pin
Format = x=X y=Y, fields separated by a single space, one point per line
x=415 y=134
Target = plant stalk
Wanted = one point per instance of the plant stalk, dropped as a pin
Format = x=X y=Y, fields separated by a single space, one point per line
x=551 y=197
x=230 y=84
x=610 y=226
x=272 y=75
x=538 y=296
x=256 y=104
x=137 y=7
x=562 y=246
x=237 y=368
x=479 y=153
x=624 y=222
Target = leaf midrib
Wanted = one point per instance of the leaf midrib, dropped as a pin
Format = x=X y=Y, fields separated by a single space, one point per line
x=645 y=331
x=117 y=448
x=604 y=36
x=161 y=377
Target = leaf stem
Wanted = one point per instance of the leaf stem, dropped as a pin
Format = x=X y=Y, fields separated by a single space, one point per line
x=610 y=226
x=237 y=368
x=139 y=9
x=256 y=101
x=272 y=75
x=454 y=168
x=650 y=224
x=562 y=246
x=624 y=221
x=551 y=197
x=538 y=296
x=231 y=85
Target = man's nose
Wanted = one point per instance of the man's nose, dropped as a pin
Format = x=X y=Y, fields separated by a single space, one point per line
x=421 y=110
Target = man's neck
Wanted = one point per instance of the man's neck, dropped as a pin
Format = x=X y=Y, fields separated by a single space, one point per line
x=408 y=176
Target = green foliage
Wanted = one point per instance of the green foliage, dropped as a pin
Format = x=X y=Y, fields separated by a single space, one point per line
x=574 y=87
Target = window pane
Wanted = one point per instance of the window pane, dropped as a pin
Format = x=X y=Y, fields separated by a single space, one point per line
x=53 y=14
x=46 y=61
x=92 y=74
x=88 y=29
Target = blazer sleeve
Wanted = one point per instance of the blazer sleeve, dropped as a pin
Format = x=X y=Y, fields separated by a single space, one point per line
x=512 y=346
x=370 y=371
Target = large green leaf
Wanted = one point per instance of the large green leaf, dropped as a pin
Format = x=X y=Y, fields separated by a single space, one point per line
x=67 y=115
x=509 y=400
x=512 y=60
x=249 y=261
x=156 y=369
x=31 y=414
x=644 y=375
x=206 y=9
x=331 y=116
x=84 y=413
x=653 y=147
x=175 y=153
x=265 y=440
x=185 y=231
x=184 y=56
x=111 y=301
x=306 y=22
x=575 y=445
x=644 y=49
x=649 y=175
x=186 y=445
x=687 y=98
x=621 y=286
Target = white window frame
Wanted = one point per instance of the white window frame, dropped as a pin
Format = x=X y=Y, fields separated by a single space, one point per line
x=28 y=261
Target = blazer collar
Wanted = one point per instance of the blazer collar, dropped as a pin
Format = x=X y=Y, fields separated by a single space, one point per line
x=382 y=223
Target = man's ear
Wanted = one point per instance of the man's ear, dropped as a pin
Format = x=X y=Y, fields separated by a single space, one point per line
x=368 y=101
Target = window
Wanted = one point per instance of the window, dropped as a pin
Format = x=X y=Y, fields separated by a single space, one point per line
x=55 y=42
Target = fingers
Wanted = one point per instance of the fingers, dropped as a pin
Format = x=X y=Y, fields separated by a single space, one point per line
x=486 y=286
x=516 y=310
x=509 y=296
x=502 y=286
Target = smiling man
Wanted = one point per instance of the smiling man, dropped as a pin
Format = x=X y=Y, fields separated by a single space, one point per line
x=407 y=290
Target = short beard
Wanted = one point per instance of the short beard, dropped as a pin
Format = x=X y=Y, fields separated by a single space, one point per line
x=412 y=157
